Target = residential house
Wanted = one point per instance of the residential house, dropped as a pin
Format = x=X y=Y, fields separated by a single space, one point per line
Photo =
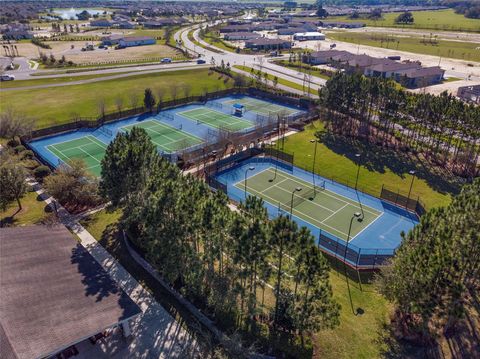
x=420 y=77
x=101 y=23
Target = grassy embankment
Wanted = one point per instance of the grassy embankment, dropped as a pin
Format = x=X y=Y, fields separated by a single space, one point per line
x=281 y=81
x=445 y=20
x=50 y=106
x=416 y=44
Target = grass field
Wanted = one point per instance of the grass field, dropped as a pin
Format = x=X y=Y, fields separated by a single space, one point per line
x=52 y=80
x=33 y=211
x=322 y=208
x=415 y=44
x=216 y=119
x=167 y=138
x=281 y=81
x=50 y=106
x=336 y=160
x=433 y=20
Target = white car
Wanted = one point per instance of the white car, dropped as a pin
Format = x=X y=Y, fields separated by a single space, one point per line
x=7 y=78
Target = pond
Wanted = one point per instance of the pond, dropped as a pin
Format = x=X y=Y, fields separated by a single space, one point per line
x=71 y=13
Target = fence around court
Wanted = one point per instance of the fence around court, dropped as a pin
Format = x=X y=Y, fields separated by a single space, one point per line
x=78 y=122
x=355 y=257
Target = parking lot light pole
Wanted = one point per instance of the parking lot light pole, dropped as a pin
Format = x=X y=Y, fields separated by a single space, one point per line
x=297 y=189
x=251 y=168
x=357 y=216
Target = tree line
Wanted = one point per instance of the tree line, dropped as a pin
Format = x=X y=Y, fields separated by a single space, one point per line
x=224 y=261
x=445 y=130
x=434 y=277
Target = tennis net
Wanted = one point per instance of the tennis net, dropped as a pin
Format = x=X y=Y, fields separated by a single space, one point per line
x=301 y=196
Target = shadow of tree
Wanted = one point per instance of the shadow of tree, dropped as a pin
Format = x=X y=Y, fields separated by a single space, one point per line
x=378 y=159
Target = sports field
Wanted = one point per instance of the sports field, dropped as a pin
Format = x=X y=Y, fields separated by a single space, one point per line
x=322 y=208
x=216 y=119
x=261 y=107
x=167 y=138
x=88 y=148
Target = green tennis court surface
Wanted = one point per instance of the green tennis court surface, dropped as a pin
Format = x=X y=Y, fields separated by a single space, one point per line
x=327 y=210
x=90 y=149
x=261 y=107
x=217 y=119
x=167 y=138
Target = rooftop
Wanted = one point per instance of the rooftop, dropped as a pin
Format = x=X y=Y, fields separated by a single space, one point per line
x=53 y=293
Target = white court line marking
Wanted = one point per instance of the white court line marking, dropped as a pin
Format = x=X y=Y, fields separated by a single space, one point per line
x=334 y=213
x=336 y=196
x=298 y=212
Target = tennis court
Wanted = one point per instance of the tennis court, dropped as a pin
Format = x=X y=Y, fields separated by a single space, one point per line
x=261 y=107
x=322 y=208
x=88 y=148
x=167 y=138
x=216 y=119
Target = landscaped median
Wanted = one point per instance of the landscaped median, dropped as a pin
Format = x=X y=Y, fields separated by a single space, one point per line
x=280 y=81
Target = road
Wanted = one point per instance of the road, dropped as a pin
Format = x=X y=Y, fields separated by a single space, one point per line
x=134 y=72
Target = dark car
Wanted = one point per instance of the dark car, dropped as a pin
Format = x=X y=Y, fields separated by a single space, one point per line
x=200 y=61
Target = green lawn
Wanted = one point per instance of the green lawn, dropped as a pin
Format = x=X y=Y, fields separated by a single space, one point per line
x=52 y=80
x=33 y=211
x=416 y=44
x=281 y=81
x=378 y=166
x=56 y=105
x=301 y=67
x=435 y=20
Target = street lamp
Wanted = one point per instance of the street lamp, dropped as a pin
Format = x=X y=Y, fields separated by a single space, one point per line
x=251 y=168
x=412 y=173
x=313 y=167
x=297 y=189
x=356 y=215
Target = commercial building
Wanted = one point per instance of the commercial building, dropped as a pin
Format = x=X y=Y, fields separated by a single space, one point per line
x=264 y=43
x=136 y=41
x=54 y=294
x=242 y=35
x=409 y=73
x=308 y=36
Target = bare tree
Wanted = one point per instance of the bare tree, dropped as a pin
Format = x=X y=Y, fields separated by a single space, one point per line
x=14 y=124
x=133 y=100
x=119 y=103
x=187 y=90
x=174 y=91
x=101 y=105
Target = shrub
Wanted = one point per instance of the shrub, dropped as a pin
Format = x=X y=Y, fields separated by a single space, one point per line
x=27 y=154
x=41 y=172
x=13 y=143
x=19 y=148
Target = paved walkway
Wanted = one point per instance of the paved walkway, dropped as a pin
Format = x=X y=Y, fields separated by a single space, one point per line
x=155 y=333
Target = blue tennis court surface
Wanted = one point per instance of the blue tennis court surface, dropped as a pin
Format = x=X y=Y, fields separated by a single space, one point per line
x=174 y=131
x=327 y=211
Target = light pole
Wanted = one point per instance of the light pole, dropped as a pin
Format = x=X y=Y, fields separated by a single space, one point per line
x=357 y=155
x=297 y=189
x=251 y=168
x=412 y=173
x=313 y=166
x=356 y=215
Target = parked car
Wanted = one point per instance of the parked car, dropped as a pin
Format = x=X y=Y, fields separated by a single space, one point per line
x=7 y=78
x=201 y=61
x=166 y=60
x=333 y=46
